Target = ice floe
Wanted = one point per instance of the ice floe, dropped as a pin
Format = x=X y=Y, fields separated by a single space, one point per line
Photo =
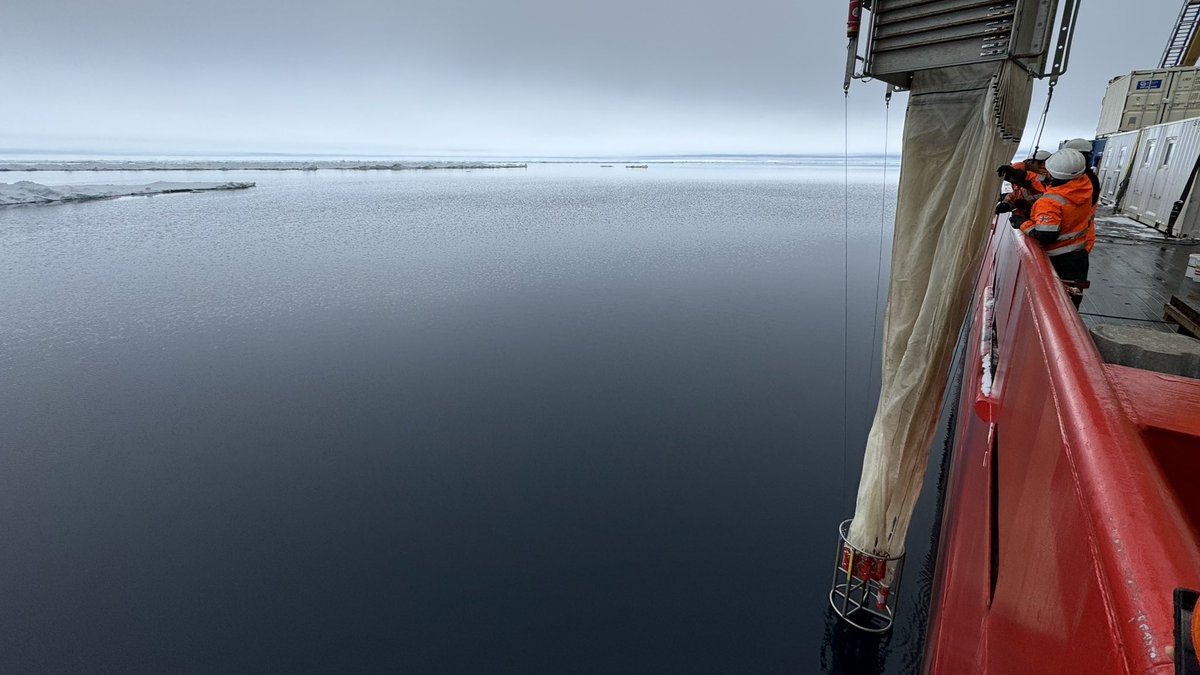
x=26 y=192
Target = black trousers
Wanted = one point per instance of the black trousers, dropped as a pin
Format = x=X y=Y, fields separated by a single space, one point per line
x=1071 y=266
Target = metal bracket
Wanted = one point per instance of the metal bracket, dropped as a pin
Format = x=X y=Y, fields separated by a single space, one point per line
x=1066 y=36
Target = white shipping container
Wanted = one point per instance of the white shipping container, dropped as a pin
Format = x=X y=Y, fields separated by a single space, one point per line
x=1162 y=165
x=1183 y=100
x=1147 y=97
x=1114 y=166
x=1113 y=106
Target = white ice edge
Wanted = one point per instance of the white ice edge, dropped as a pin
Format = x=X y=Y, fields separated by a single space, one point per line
x=26 y=192
x=985 y=342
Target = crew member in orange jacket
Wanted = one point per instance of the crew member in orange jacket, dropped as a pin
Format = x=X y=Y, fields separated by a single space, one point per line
x=1035 y=164
x=1085 y=147
x=1063 y=220
x=1027 y=179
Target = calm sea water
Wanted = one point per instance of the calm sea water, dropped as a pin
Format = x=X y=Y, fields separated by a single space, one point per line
x=562 y=419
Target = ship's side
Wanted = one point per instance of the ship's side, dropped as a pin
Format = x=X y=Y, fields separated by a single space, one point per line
x=1073 y=495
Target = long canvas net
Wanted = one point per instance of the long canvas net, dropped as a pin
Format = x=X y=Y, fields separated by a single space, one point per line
x=961 y=124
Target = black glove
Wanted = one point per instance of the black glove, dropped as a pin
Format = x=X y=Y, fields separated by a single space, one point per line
x=1003 y=171
x=1003 y=207
x=1016 y=221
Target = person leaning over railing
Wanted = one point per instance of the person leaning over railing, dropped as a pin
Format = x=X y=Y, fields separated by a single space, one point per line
x=1027 y=179
x=1062 y=220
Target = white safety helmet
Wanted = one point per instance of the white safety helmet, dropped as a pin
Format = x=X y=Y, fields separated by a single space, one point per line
x=1080 y=144
x=1041 y=155
x=1066 y=164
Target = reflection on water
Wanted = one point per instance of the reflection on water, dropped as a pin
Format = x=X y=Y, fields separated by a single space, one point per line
x=848 y=651
x=558 y=419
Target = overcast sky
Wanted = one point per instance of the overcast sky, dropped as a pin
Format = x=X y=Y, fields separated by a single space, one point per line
x=465 y=77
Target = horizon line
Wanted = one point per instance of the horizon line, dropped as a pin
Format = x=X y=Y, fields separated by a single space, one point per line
x=13 y=154
x=17 y=155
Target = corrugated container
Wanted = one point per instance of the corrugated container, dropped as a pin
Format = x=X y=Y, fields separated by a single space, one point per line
x=1115 y=163
x=1183 y=100
x=1162 y=164
x=1147 y=97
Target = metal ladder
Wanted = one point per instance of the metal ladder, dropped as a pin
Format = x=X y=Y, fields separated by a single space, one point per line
x=1181 y=38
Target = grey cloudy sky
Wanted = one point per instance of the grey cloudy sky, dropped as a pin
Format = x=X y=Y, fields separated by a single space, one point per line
x=515 y=77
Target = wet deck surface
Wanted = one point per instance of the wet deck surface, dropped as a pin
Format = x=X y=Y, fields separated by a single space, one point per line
x=1134 y=272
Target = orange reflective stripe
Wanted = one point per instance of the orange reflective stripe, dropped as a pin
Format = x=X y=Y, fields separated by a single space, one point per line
x=1072 y=246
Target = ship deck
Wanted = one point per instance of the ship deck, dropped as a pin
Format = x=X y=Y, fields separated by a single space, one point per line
x=1135 y=269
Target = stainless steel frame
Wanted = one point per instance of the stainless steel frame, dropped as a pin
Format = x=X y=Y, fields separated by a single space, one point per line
x=865 y=588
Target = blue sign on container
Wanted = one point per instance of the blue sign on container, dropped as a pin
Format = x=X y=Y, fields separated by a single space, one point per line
x=1149 y=84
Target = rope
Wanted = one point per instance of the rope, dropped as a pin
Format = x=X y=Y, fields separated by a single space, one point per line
x=887 y=118
x=846 y=292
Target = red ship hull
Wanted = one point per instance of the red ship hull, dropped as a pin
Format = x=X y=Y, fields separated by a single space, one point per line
x=1073 y=494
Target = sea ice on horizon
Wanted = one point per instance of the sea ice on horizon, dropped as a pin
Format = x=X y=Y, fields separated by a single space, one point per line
x=246 y=165
x=26 y=192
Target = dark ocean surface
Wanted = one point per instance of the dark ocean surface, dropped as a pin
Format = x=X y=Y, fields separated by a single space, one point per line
x=561 y=419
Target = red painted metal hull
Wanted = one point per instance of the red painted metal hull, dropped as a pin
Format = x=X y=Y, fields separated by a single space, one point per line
x=1073 y=498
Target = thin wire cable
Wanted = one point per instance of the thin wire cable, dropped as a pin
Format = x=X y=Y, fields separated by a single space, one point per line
x=1126 y=318
x=846 y=287
x=1045 y=116
x=1041 y=125
x=887 y=118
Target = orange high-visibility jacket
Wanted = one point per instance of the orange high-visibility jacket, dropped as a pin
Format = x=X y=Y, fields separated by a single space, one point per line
x=1023 y=194
x=1027 y=194
x=1066 y=212
x=1035 y=178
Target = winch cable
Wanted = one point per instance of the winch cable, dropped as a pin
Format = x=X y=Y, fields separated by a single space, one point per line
x=1041 y=126
x=846 y=287
x=883 y=202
